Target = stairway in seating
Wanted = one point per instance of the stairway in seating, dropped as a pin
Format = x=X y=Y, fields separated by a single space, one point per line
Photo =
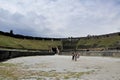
x=70 y=44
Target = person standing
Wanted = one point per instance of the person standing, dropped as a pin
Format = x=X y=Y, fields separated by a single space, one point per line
x=73 y=56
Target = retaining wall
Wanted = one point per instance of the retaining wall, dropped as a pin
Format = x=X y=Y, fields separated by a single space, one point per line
x=8 y=54
x=112 y=53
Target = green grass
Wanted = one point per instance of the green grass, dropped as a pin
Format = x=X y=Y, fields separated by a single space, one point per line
x=105 y=42
x=6 y=41
x=7 y=64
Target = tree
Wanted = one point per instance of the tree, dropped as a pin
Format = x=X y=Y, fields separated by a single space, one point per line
x=11 y=32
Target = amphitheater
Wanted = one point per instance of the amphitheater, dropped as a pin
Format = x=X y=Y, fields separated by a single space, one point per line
x=36 y=58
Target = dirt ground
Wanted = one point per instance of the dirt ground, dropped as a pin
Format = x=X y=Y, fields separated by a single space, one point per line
x=60 y=68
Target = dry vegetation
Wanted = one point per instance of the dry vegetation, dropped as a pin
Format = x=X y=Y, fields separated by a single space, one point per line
x=15 y=72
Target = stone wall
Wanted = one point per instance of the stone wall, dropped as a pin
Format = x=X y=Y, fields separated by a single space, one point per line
x=112 y=53
x=8 y=54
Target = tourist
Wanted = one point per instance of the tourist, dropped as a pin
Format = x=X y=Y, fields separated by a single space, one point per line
x=76 y=56
x=73 y=56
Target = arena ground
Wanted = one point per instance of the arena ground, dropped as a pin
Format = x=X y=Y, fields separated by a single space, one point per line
x=60 y=68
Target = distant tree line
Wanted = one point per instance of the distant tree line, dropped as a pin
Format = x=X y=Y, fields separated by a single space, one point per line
x=11 y=34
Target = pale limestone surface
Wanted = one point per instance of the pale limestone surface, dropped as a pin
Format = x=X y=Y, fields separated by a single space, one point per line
x=100 y=68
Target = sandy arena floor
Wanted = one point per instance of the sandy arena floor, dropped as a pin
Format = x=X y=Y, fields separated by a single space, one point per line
x=60 y=68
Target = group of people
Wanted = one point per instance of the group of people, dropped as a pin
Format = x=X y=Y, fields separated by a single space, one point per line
x=75 y=56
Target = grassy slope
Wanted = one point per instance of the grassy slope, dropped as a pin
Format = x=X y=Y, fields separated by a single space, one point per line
x=105 y=42
x=6 y=41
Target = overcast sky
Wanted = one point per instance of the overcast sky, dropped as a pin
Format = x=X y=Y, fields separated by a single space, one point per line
x=60 y=18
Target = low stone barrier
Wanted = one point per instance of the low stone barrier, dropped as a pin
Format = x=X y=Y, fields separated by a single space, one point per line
x=8 y=54
x=112 y=53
